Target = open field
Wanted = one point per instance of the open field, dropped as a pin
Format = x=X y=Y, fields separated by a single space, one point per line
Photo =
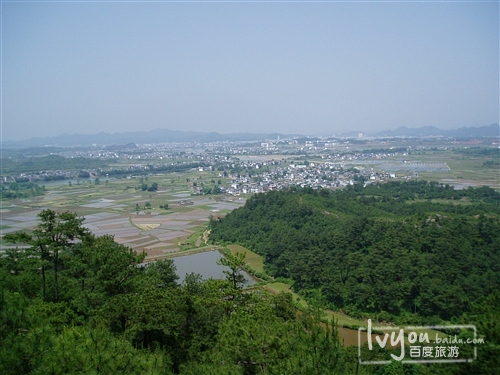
x=448 y=167
x=463 y=170
x=341 y=319
x=135 y=217
x=118 y=208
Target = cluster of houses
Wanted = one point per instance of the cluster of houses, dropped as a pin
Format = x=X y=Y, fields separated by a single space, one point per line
x=278 y=176
x=249 y=170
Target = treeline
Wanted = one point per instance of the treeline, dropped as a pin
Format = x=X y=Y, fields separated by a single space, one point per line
x=480 y=151
x=418 y=190
x=56 y=162
x=151 y=168
x=48 y=163
x=492 y=164
x=21 y=190
x=385 y=250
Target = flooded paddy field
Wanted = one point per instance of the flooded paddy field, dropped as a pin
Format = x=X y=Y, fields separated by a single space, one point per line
x=119 y=209
x=414 y=167
x=447 y=167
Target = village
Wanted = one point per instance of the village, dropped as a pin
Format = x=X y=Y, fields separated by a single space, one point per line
x=238 y=168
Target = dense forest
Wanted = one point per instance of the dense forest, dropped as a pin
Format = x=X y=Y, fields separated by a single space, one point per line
x=407 y=252
x=416 y=251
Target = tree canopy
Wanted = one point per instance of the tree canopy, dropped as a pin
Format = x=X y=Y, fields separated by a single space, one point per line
x=71 y=302
x=409 y=251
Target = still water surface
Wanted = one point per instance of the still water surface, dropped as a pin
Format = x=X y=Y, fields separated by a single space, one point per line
x=206 y=265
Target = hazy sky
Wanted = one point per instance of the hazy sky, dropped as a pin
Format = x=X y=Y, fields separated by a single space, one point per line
x=290 y=67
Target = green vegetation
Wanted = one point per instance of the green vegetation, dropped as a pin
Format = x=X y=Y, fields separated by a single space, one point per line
x=49 y=162
x=196 y=240
x=146 y=187
x=86 y=306
x=150 y=168
x=75 y=303
x=253 y=260
x=480 y=151
x=21 y=190
x=369 y=253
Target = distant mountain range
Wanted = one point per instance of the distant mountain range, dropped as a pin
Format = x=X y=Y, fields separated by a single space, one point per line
x=138 y=137
x=492 y=130
x=166 y=135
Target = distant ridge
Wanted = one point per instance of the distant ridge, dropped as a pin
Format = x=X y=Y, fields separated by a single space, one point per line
x=492 y=130
x=165 y=135
x=137 y=137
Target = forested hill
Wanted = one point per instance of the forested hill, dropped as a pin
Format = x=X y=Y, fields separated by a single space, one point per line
x=412 y=251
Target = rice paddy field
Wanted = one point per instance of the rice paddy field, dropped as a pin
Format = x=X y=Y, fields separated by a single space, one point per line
x=132 y=216
x=447 y=167
x=137 y=218
x=463 y=170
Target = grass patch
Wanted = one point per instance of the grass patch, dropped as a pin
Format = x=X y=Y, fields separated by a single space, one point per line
x=194 y=240
x=278 y=287
x=253 y=260
x=205 y=207
x=331 y=316
x=176 y=208
x=343 y=320
x=190 y=251
x=339 y=319
x=146 y=227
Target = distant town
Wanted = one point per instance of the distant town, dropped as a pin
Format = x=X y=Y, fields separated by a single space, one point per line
x=245 y=167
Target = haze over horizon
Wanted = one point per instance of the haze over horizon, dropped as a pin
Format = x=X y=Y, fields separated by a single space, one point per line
x=257 y=67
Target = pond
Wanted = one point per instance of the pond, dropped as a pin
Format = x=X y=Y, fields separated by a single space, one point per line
x=206 y=265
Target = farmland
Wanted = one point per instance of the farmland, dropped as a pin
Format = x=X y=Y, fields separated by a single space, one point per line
x=157 y=208
x=118 y=208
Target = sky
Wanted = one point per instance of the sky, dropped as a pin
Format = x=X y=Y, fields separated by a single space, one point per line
x=255 y=67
